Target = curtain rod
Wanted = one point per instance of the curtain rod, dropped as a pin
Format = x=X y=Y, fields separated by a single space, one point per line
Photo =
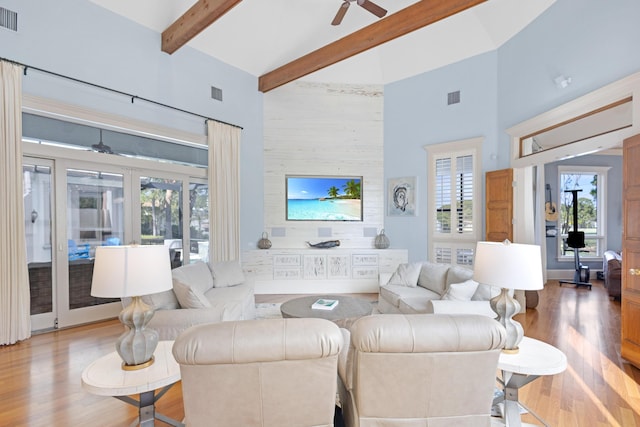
x=128 y=95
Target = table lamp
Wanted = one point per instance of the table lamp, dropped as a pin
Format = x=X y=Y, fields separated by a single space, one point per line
x=133 y=271
x=508 y=266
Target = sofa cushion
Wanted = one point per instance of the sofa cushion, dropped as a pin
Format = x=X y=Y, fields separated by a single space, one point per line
x=486 y=292
x=196 y=275
x=414 y=305
x=231 y=293
x=458 y=274
x=461 y=291
x=433 y=277
x=161 y=301
x=394 y=293
x=190 y=296
x=406 y=275
x=226 y=273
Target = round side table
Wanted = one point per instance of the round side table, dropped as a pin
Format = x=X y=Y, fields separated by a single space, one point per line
x=535 y=358
x=105 y=377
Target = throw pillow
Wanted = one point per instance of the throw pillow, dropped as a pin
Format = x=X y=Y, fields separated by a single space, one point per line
x=461 y=291
x=458 y=274
x=406 y=275
x=190 y=296
x=162 y=300
x=433 y=277
x=197 y=275
x=226 y=273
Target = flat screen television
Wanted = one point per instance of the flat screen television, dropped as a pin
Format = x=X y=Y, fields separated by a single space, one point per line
x=324 y=198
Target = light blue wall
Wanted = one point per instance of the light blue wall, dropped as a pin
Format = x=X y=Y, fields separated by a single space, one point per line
x=76 y=38
x=416 y=114
x=592 y=41
x=613 y=206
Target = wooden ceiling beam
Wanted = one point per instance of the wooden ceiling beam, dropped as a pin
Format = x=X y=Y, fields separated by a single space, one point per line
x=411 y=18
x=193 y=21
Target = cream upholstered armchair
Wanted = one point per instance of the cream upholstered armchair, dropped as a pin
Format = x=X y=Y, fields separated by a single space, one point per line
x=259 y=373
x=415 y=370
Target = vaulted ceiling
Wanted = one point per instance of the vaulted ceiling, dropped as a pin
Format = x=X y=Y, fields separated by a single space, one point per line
x=283 y=40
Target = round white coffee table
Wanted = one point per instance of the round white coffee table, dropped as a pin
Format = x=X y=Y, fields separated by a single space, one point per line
x=105 y=377
x=534 y=359
x=347 y=310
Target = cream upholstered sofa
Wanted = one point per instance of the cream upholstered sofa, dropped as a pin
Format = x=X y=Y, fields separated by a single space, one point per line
x=426 y=287
x=416 y=370
x=260 y=373
x=201 y=293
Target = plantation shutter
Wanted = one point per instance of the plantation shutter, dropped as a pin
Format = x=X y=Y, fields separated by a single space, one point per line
x=460 y=195
x=464 y=194
x=453 y=218
x=443 y=195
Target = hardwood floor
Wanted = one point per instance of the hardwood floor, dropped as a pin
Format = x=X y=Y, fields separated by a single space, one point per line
x=40 y=377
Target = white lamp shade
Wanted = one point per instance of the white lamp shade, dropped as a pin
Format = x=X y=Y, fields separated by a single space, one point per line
x=127 y=271
x=508 y=265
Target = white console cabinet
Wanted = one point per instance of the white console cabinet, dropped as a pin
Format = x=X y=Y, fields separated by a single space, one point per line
x=313 y=271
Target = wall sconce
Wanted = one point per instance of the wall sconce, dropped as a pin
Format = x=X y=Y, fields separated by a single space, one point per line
x=34 y=216
x=562 y=82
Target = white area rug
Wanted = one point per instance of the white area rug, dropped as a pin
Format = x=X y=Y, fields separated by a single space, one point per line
x=268 y=311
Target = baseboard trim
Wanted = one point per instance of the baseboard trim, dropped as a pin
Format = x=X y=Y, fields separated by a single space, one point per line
x=567 y=274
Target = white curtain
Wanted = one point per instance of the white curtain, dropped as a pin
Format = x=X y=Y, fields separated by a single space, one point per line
x=224 y=191
x=15 y=320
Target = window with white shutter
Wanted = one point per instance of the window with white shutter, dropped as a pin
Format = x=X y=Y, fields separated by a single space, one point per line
x=454 y=192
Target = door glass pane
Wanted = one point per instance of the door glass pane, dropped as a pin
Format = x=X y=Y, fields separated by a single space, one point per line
x=442 y=196
x=37 y=208
x=582 y=189
x=95 y=217
x=161 y=215
x=199 y=222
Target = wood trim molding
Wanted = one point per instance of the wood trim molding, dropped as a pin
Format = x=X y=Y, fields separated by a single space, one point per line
x=414 y=17
x=193 y=21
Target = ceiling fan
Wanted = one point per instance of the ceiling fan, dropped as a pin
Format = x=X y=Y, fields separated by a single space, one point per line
x=101 y=147
x=365 y=4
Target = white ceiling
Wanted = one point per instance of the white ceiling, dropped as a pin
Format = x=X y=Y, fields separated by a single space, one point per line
x=258 y=36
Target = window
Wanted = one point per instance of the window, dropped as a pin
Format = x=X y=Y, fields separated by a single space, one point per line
x=454 y=218
x=586 y=187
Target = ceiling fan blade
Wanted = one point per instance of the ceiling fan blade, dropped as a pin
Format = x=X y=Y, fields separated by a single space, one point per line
x=373 y=8
x=341 y=12
x=102 y=148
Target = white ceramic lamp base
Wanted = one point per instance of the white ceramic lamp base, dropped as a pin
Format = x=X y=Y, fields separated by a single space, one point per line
x=136 y=346
x=506 y=307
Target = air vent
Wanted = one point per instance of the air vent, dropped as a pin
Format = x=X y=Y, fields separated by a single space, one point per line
x=453 y=97
x=8 y=19
x=216 y=93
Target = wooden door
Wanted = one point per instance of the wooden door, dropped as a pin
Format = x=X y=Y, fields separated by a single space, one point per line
x=499 y=205
x=631 y=251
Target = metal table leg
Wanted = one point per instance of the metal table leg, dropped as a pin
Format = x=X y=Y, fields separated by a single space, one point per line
x=511 y=384
x=147 y=408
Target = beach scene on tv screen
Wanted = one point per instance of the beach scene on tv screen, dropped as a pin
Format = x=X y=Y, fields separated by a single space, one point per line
x=324 y=198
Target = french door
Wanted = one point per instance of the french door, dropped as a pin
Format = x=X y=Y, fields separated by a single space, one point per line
x=74 y=206
x=38 y=201
x=92 y=209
